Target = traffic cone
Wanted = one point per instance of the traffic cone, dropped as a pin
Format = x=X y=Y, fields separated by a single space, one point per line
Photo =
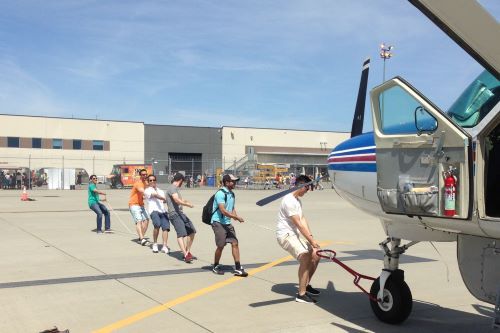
x=24 y=195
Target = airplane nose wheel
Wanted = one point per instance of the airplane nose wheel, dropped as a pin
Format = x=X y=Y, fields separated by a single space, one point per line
x=396 y=303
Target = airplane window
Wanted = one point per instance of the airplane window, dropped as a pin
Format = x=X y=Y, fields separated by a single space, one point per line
x=397 y=109
x=477 y=100
x=424 y=121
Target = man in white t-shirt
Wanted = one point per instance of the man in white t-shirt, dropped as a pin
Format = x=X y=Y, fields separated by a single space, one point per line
x=156 y=210
x=295 y=237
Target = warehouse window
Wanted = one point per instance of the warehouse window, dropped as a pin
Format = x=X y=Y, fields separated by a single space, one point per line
x=98 y=145
x=56 y=143
x=77 y=144
x=13 y=142
x=36 y=143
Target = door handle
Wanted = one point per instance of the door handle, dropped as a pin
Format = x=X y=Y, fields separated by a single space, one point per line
x=412 y=143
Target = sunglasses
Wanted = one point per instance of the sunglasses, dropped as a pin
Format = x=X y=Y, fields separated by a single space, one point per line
x=151 y=180
x=93 y=178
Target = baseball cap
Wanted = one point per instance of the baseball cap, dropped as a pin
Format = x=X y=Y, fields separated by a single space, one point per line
x=178 y=176
x=229 y=177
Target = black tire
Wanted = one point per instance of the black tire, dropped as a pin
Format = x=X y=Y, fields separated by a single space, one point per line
x=398 y=301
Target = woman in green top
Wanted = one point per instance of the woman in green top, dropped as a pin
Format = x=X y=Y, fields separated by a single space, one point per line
x=98 y=207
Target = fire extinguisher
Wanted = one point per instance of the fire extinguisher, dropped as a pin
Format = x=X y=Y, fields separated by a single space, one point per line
x=450 y=192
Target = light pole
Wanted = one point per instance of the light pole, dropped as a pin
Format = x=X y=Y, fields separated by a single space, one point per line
x=153 y=162
x=385 y=53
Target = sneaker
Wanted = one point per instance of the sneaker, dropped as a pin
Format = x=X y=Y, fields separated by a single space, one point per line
x=99 y=232
x=311 y=291
x=144 y=241
x=165 y=249
x=108 y=231
x=188 y=258
x=217 y=269
x=155 y=248
x=191 y=256
x=240 y=272
x=305 y=299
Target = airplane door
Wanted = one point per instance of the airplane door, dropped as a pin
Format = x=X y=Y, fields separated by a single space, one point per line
x=418 y=148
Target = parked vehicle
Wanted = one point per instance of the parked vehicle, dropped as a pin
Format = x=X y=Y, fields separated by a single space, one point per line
x=125 y=175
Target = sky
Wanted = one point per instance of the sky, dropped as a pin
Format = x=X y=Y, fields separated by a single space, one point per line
x=292 y=64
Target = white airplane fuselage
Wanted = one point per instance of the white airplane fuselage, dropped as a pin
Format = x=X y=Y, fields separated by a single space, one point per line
x=353 y=171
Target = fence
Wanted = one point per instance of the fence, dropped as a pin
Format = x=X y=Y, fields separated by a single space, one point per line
x=205 y=171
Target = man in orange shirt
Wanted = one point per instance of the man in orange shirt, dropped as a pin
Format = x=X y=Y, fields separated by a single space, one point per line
x=136 y=206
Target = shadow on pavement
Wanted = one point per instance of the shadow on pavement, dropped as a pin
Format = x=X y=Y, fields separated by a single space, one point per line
x=354 y=307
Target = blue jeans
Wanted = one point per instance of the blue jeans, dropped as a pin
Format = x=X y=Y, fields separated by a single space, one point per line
x=100 y=209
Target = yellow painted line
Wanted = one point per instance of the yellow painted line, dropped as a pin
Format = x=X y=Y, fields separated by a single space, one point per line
x=165 y=306
x=343 y=243
x=157 y=309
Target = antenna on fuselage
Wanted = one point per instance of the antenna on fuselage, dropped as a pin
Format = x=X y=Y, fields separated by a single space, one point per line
x=359 y=112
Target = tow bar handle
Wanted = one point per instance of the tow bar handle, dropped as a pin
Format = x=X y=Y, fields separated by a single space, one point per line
x=331 y=255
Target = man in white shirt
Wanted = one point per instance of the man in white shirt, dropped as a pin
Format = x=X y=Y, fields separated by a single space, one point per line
x=156 y=210
x=295 y=237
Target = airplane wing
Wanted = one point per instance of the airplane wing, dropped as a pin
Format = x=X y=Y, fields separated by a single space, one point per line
x=459 y=20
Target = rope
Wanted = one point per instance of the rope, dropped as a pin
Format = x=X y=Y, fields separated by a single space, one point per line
x=445 y=264
x=119 y=218
x=260 y=226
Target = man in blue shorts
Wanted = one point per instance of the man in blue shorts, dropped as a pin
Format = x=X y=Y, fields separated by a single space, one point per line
x=156 y=210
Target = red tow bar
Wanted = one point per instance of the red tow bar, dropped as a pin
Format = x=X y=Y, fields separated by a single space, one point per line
x=331 y=255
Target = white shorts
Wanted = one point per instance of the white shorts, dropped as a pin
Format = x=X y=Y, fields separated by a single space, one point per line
x=295 y=245
x=138 y=213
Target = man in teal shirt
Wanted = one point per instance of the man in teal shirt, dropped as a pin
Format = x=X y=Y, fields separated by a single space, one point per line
x=224 y=211
x=99 y=208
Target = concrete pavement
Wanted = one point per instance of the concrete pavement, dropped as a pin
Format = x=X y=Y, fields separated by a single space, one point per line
x=55 y=271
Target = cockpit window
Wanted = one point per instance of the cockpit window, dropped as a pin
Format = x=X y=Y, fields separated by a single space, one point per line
x=476 y=101
x=397 y=111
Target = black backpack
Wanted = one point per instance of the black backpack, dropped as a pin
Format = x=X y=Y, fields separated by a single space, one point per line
x=207 y=213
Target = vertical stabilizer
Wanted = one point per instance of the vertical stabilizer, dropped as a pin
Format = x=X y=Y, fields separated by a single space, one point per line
x=359 y=112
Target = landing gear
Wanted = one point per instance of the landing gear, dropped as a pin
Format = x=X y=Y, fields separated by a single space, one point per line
x=394 y=301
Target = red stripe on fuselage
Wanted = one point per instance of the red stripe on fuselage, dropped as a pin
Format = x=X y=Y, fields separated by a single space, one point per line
x=352 y=159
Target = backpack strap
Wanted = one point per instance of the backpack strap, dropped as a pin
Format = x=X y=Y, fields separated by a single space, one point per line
x=226 y=193
x=225 y=199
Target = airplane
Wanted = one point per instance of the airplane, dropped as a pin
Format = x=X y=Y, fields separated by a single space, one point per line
x=430 y=175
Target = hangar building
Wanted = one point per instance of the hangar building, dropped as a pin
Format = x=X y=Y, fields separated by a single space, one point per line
x=96 y=145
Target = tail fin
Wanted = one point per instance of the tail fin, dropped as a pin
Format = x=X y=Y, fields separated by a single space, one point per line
x=359 y=113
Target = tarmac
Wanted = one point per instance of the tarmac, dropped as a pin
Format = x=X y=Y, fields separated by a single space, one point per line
x=56 y=271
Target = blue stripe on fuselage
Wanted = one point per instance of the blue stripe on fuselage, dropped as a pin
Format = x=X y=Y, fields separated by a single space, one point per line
x=358 y=167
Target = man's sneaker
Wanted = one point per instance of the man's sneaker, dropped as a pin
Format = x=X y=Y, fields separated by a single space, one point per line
x=155 y=248
x=217 y=269
x=191 y=256
x=165 y=249
x=99 y=232
x=311 y=291
x=305 y=299
x=240 y=272
x=188 y=258
x=144 y=241
x=108 y=231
